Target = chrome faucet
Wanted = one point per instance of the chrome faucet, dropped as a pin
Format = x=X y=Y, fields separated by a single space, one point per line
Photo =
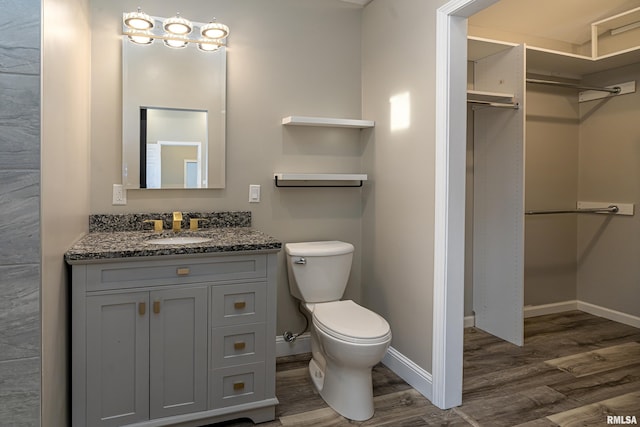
x=177 y=221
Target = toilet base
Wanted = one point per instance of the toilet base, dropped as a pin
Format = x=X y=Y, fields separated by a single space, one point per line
x=348 y=392
x=317 y=376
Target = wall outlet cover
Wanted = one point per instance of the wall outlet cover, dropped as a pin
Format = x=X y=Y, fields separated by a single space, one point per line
x=119 y=195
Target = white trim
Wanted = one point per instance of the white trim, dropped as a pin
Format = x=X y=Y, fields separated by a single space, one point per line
x=607 y=313
x=553 y=308
x=413 y=374
x=469 y=321
x=302 y=344
x=450 y=161
x=561 y=307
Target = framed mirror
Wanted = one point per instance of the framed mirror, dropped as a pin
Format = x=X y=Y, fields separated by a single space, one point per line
x=173 y=117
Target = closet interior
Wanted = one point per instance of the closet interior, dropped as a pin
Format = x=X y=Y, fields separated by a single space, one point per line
x=554 y=177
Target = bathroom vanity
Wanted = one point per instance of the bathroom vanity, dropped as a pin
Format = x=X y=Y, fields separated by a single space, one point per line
x=173 y=334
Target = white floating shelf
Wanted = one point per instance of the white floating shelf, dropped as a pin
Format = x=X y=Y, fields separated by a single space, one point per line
x=480 y=95
x=327 y=122
x=315 y=179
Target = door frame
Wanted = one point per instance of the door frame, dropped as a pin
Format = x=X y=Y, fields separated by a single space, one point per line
x=450 y=175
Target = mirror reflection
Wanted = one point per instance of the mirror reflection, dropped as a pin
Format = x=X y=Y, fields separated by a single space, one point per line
x=173 y=117
x=173 y=146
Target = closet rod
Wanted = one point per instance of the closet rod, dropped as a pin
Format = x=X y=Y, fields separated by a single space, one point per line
x=513 y=106
x=614 y=90
x=611 y=209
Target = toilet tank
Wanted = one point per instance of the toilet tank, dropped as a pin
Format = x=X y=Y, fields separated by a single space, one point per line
x=318 y=271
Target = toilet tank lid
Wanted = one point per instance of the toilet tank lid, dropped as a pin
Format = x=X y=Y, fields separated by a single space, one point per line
x=324 y=248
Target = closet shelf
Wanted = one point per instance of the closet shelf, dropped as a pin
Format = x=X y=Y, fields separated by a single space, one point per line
x=484 y=96
x=327 y=122
x=553 y=62
x=317 y=179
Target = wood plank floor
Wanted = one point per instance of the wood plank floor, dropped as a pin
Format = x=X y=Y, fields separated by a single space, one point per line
x=575 y=369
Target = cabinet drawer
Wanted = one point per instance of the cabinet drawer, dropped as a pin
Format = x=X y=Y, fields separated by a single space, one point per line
x=238 y=304
x=236 y=385
x=237 y=345
x=128 y=274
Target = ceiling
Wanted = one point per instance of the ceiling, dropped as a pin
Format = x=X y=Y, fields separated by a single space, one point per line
x=564 y=20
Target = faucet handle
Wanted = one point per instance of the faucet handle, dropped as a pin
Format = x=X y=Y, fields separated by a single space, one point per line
x=195 y=222
x=177 y=221
x=157 y=224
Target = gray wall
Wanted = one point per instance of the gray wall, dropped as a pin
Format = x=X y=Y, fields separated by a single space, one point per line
x=398 y=212
x=608 y=247
x=551 y=182
x=20 y=213
x=65 y=183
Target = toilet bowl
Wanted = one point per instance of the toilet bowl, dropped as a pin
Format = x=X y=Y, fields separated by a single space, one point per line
x=352 y=341
x=347 y=340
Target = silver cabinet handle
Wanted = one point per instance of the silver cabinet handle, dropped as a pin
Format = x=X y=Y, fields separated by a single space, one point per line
x=302 y=261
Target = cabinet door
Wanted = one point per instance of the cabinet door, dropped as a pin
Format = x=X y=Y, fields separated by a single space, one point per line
x=178 y=357
x=117 y=359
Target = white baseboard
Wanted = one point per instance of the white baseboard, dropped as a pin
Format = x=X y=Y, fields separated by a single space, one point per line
x=469 y=321
x=559 y=307
x=302 y=344
x=406 y=369
x=607 y=313
x=544 y=309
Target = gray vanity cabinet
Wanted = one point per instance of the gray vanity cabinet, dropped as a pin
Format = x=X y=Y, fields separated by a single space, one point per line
x=117 y=358
x=146 y=354
x=182 y=341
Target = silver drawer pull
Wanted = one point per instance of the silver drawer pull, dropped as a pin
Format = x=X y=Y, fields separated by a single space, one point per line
x=301 y=261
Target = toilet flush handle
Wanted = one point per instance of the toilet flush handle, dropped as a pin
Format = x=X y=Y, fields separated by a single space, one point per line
x=301 y=260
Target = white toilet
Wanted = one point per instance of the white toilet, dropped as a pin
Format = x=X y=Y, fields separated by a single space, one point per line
x=347 y=340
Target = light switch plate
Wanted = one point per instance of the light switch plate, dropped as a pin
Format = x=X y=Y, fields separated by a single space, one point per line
x=254 y=193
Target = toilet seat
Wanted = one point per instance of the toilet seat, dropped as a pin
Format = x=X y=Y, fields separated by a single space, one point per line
x=350 y=322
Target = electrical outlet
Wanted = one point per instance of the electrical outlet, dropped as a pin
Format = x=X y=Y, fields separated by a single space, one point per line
x=119 y=195
x=254 y=193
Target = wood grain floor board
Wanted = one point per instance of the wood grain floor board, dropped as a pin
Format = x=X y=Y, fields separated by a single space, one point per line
x=391 y=409
x=504 y=385
x=596 y=414
x=507 y=381
x=509 y=409
x=602 y=386
x=597 y=361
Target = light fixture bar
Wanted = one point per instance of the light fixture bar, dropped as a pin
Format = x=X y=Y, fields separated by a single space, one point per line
x=133 y=33
x=175 y=39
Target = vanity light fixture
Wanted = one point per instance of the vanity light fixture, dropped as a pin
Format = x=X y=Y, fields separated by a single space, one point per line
x=177 y=25
x=176 y=43
x=176 y=32
x=207 y=47
x=214 y=30
x=138 y=20
x=143 y=37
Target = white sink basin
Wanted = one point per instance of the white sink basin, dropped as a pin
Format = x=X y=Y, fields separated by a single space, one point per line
x=179 y=240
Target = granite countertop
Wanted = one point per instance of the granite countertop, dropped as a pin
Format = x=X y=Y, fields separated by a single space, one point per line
x=130 y=244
